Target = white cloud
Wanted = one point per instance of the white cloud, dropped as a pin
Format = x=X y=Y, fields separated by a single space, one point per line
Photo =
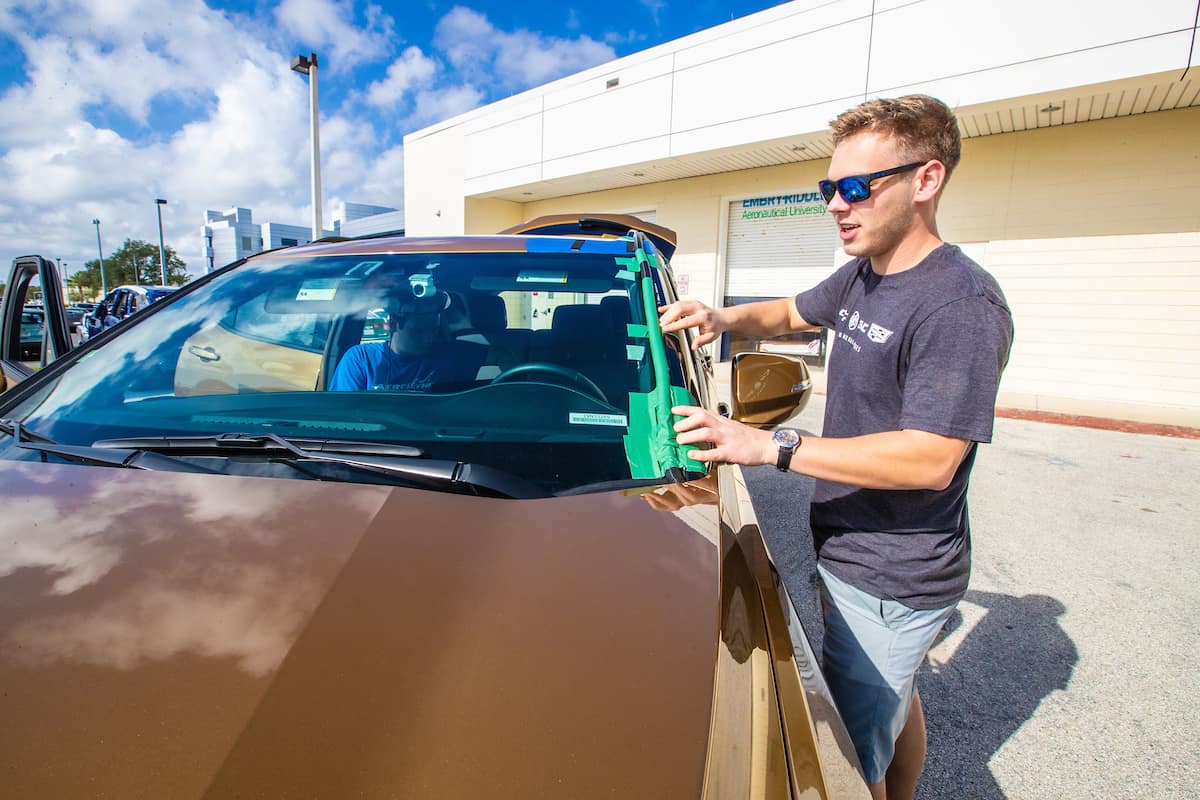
x=247 y=143
x=528 y=59
x=514 y=60
x=435 y=105
x=329 y=25
x=412 y=69
x=655 y=8
x=254 y=141
x=81 y=133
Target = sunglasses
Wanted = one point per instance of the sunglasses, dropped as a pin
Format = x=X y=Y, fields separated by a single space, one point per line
x=856 y=188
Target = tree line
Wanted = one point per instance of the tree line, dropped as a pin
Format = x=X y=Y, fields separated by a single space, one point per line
x=136 y=262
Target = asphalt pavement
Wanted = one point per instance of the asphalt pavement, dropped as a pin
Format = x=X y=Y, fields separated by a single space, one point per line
x=1070 y=668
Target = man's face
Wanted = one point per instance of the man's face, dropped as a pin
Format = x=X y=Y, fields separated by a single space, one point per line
x=877 y=225
x=414 y=332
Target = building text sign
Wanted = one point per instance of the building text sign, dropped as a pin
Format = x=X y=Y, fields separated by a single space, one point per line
x=783 y=205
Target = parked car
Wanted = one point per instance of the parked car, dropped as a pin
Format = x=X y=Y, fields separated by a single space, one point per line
x=122 y=302
x=508 y=582
x=31 y=335
x=76 y=312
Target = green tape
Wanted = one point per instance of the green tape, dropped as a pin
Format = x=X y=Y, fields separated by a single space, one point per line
x=650 y=444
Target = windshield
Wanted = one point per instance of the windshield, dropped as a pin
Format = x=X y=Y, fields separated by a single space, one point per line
x=545 y=365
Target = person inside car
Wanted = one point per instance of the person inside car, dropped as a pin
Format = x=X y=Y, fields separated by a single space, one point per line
x=100 y=319
x=418 y=354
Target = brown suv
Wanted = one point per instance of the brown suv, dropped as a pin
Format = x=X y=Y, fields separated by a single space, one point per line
x=400 y=518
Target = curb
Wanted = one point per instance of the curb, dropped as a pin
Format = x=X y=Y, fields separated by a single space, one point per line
x=1101 y=423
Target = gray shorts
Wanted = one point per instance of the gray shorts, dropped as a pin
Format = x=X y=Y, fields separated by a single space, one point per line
x=871 y=654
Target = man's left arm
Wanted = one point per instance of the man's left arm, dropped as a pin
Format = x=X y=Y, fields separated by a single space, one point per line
x=954 y=367
x=904 y=459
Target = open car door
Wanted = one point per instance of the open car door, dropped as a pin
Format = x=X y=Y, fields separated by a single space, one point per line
x=54 y=339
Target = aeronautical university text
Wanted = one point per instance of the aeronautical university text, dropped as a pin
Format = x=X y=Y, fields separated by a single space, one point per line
x=786 y=205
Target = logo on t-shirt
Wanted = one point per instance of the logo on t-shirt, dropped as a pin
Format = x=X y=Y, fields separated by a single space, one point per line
x=876 y=333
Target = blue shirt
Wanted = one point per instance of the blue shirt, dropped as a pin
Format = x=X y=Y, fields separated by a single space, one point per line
x=375 y=366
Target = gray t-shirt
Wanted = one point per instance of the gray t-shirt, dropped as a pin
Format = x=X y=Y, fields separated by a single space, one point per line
x=921 y=349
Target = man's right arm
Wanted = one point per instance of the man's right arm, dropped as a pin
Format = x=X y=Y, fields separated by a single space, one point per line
x=763 y=320
x=351 y=372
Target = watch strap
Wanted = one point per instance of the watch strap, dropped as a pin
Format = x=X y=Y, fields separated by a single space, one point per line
x=784 y=460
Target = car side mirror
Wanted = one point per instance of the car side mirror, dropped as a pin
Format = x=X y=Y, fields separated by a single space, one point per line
x=766 y=388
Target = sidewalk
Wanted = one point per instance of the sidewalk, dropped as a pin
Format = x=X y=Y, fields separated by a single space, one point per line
x=1068 y=669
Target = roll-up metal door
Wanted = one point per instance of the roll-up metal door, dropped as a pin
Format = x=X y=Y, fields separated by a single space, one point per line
x=778 y=245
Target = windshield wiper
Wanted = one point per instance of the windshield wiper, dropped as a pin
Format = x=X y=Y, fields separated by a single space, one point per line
x=20 y=433
x=261 y=443
x=373 y=456
x=127 y=459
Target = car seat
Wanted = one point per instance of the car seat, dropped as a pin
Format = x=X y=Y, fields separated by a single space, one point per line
x=587 y=338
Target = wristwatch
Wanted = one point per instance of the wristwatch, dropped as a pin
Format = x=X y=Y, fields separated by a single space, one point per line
x=788 y=440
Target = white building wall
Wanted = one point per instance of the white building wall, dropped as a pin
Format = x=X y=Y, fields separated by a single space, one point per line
x=787 y=70
x=1102 y=272
x=1079 y=187
x=276 y=234
x=383 y=222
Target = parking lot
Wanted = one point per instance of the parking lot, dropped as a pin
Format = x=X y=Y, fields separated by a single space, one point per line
x=1069 y=670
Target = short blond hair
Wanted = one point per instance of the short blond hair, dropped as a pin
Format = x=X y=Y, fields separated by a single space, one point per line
x=923 y=127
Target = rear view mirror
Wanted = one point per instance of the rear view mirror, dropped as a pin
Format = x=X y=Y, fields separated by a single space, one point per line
x=319 y=296
x=766 y=388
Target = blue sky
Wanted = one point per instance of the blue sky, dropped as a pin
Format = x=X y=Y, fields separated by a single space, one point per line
x=108 y=104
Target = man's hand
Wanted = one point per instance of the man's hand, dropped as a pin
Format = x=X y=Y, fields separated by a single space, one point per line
x=691 y=314
x=732 y=442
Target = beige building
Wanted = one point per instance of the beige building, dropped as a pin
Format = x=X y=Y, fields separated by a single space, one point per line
x=1079 y=187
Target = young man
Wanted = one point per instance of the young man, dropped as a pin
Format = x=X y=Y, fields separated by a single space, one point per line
x=417 y=356
x=922 y=334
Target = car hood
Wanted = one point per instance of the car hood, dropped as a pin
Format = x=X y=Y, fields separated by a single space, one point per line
x=180 y=635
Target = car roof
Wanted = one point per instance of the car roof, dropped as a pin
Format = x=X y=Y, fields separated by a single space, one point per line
x=598 y=225
x=454 y=244
x=606 y=230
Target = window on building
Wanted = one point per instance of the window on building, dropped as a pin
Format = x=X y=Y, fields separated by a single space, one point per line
x=246 y=243
x=286 y=242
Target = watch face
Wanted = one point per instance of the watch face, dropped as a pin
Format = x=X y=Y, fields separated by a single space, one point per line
x=786 y=437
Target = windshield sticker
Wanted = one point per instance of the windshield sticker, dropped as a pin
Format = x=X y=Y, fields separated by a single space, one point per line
x=625 y=275
x=634 y=352
x=319 y=289
x=635 y=331
x=540 y=276
x=585 y=418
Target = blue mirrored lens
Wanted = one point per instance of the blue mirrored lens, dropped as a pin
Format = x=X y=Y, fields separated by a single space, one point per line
x=854 y=189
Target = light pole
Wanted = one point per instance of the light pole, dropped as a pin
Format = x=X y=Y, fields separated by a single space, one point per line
x=65 y=281
x=162 y=258
x=100 y=248
x=307 y=65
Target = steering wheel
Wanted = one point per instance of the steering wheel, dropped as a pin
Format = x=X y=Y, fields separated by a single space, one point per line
x=572 y=377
